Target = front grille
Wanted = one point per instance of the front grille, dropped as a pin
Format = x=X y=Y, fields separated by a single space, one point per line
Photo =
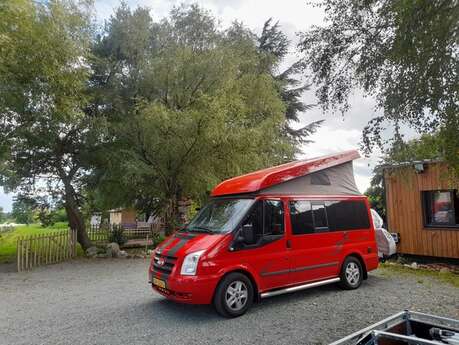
x=167 y=267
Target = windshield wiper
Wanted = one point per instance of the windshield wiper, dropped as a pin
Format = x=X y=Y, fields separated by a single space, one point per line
x=200 y=229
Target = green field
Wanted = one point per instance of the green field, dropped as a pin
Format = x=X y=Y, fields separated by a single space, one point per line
x=8 y=239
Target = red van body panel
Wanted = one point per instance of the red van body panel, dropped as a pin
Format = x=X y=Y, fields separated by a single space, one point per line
x=289 y=261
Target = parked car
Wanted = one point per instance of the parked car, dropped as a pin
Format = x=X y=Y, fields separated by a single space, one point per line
x=282 y=229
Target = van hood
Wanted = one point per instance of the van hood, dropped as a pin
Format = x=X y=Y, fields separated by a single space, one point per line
x=183 y=243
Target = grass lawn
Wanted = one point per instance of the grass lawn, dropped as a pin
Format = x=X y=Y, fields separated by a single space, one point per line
x=8 y=239
x=397 y=269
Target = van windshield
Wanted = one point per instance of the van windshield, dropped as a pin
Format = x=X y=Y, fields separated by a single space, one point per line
x=220 y=215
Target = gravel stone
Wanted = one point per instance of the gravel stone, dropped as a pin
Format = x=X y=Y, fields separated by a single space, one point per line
x=89 y=301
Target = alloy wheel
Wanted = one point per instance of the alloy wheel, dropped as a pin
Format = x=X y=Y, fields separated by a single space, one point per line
x=236 y=295
x=352 y=273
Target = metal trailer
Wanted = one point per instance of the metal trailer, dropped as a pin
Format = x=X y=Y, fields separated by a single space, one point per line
x=407 y=327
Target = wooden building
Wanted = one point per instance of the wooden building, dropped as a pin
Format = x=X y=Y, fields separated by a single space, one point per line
x=126 y=217
x=423 y=207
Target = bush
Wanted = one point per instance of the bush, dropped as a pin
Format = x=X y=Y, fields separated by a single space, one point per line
x=157 y=239
x=117 y=235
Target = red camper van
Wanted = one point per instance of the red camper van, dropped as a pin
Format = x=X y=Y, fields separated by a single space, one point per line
x=294 y=226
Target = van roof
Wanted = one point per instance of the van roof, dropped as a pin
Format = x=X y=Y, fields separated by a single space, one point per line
x=262 y=179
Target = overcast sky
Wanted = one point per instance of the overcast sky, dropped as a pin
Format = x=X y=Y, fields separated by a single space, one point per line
x=337 y=133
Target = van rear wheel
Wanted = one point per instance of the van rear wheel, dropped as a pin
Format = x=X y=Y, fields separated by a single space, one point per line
x=234 y=295
x=351 y=273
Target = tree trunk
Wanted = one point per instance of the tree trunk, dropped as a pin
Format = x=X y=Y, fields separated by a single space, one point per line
x=171 y=215
x=75 y=217
x=176 y=211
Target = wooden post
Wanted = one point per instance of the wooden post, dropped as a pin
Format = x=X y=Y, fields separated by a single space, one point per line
x=26 y=254
x=61 y=244
x=39 y=248
x=74 y=243
x=18 y=254
x=35 y=251
x=46 y=250
x=66 y=242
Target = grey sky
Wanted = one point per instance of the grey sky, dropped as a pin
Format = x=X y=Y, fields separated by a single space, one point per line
x=337 y=133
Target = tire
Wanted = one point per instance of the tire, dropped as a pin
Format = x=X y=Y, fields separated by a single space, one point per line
x=234 y=295
x=351 y=273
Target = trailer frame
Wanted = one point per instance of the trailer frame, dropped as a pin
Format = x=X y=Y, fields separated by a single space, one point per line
x=380 y=330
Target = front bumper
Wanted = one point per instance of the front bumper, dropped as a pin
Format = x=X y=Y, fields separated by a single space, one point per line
x=186 y=289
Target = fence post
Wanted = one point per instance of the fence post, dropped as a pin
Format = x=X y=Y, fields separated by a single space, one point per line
x=18 y=253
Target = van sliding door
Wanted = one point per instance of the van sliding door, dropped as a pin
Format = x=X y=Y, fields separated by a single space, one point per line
x=314 y=254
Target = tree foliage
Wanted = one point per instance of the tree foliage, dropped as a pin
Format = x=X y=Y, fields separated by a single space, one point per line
x=404 y=53
x=47 y=136
x=202 y=107
x=22 y=211
x=274 y=44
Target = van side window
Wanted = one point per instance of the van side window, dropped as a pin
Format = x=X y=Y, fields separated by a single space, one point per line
x=301 y=217
x=255 y=220
x=266 y=218
x=347 y=215
x=273 y=217
x=319 y=215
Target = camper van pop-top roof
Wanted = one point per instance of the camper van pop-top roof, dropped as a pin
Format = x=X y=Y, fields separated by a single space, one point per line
x=325 y=175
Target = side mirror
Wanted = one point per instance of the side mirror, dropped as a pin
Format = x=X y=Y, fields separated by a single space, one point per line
x=247 y=234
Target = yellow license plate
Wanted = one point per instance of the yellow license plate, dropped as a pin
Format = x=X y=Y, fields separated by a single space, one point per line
x=159 y=282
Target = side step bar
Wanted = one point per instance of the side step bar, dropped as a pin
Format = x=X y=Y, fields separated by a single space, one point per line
x=299 y=287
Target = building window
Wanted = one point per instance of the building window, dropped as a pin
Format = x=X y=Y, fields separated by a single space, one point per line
x=441 y=208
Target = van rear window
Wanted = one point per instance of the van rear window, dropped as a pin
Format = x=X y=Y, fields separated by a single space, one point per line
x=334 y=216
x=347 y=215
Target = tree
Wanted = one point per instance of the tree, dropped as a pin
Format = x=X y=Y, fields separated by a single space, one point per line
x=376 y=193
x=48 y=132
x=404 y=53
x=273 y=44
x=201 y=107
x=22 y=210
x=3 y=216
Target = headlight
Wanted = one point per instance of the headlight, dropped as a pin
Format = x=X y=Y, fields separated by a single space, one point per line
x=190 y=264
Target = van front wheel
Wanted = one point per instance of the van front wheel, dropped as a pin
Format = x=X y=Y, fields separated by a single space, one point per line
x=351 y=273
x=234 y=295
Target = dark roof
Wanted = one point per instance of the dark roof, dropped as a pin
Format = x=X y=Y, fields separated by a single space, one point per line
x=409 y=163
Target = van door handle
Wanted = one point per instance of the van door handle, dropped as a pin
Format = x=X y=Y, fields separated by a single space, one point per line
x=289 y=244
x=346 y=235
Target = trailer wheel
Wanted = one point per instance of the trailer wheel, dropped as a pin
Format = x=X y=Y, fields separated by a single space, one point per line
x=351 y=273
x=234 y=295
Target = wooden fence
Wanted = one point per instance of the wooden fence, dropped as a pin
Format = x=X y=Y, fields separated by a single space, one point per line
x=100 y=235
x=43 y=249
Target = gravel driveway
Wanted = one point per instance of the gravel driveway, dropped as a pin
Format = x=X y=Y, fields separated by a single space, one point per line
x=109 y=302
